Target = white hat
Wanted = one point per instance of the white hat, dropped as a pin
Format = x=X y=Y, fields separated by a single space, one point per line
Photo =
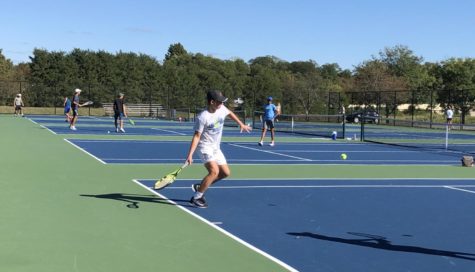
x=19 y=95
x=77 y=91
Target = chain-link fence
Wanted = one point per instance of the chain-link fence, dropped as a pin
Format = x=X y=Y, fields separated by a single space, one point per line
x=428 y=106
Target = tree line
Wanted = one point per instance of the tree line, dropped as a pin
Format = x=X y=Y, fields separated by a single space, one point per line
x=182 y=78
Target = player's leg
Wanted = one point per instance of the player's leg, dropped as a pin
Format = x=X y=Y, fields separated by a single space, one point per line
x=272 y=135
x=270 y=125
x=116 y=122
x=263 y=134
x=217 y=169
x=121 y=121
x=74 y=119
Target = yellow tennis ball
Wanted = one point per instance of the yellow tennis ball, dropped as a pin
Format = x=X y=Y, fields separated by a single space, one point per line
x=343 y=156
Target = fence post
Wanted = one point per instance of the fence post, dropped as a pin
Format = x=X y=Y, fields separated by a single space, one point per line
x=431 y=107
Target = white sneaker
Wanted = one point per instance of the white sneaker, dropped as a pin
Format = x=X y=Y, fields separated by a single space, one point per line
x=121 y=129
x=272 y=144
x=261 y=143
x=73 y=128
x=117 y=130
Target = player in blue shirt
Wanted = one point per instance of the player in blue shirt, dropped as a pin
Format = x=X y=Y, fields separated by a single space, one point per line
x=67 y=109
x=270 y=112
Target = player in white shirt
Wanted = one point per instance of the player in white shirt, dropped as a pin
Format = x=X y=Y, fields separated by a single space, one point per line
x=207 y=139
x=450 y=116
x=18 y=104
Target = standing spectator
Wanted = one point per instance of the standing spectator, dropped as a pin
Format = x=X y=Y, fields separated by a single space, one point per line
x=18 y=104
x=119 y=113
x=270 y=112
x=450 y=116
x=67 y=109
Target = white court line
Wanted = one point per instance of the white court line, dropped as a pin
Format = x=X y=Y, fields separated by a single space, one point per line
x=328 y=186
x=83 y=150
x=171 y=131
x=42 y=126
x=270 y=152
x=299 y=160
x=312 y=179
x=135 y=141
x=237 y=239
x=350 y=151
x=458 y=189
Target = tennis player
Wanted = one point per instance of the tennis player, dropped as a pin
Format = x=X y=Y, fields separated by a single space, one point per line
x=75 y=107
x=270 y=112
x=67 y=109
x=207 y=139
x=18 y=104
x=450 y=116
x=119 y=113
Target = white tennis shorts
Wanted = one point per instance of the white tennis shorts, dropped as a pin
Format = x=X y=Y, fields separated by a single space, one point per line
x=209 y=155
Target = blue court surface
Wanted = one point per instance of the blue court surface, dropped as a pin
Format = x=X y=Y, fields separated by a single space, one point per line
x=174 y=152
x=105 y=126
x=389 y=225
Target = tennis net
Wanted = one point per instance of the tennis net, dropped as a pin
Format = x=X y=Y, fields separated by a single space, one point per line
x=418 y=134
x=313 y=124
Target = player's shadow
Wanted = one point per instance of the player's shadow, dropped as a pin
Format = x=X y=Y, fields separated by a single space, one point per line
x=133 y=200
x=379 y=242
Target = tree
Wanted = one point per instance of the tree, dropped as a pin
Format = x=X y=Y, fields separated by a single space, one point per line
x=6 y=67
x=175 y=50
x=458 y=84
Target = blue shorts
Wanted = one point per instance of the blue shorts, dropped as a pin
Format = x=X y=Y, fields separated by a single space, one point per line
x=67 y=110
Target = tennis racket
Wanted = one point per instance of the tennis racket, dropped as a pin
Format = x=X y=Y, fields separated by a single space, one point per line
x=88 y=103
x=132 y=122
x=169 y=178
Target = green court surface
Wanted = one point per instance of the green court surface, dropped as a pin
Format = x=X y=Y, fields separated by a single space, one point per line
x=48 y=224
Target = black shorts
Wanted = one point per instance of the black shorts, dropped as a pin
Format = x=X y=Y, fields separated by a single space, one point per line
x=269 y=124
x=75 y=112
x=449 y=119
x=17 y=107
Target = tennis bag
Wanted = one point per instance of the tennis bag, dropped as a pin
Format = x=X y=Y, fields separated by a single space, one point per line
x=467 y=161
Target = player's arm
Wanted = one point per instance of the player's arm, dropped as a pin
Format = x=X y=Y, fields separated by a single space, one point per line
x=276 y=111
x=243 y=126
x=125 y=110
x=194 y=143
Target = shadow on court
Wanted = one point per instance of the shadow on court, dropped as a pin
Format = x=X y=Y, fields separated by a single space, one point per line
x=379 y=242
x=133 y=200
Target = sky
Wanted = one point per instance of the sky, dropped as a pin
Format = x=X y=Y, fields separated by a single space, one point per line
x=346 y=32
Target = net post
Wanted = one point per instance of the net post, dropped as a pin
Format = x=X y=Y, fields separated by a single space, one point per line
x=362 y=130
x=446 y=136
x=292 y=124
x=344 y=126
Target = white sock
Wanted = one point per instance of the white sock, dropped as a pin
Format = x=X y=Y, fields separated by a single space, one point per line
x=198 y=195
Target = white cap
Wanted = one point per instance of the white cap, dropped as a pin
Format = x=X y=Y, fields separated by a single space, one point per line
x=77 y=91
x=18 y=95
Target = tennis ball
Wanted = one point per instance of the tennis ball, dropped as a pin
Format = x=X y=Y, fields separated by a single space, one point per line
x=343 y=156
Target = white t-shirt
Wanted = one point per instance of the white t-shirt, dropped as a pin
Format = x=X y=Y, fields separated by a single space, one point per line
x=18 y=101
x=450 y=113
x=210 y=125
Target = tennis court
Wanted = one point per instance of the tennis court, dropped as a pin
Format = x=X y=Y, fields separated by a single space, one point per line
x=126 y=151
x=309 y=224
x=82 y=201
